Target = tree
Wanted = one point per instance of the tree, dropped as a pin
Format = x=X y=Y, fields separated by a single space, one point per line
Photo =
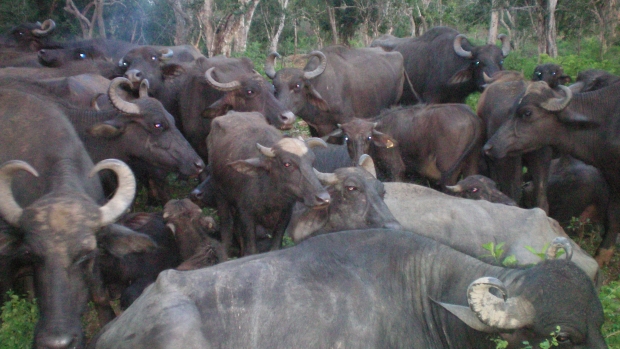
x=96 y=18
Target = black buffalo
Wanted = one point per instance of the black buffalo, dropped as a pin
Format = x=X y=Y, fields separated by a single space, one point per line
x=29 y=37
x=337 y=84
x=362 y=289
x=59 y=57
x=438 y=142
x=479 y=187
x=258 y=175
x=59 y=213
x=442 y=66
x=583 y=125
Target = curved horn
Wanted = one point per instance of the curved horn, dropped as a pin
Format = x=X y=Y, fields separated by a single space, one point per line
x=9 y=208
x=124 y=193
x=505 y=44
x=367 y=164
x=557 y=104
x=326 y=178
x=558 y=243
x=265 y=150
x=228 y=86
x=454 y=188
x=46 y=28
x=458 y=48
x=487 y=79
x=577 y=87
x=270 y=62
x=144 y=88
x=315 y=142
x=118 y=102
x=506 y=313
x=335 y=133
x=166 y=54
x=320 y=69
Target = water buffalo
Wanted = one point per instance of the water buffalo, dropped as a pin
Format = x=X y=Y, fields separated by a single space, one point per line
x=442 y=66
x=258 y=175
x=104 y=68
x=479 y=187
x=583 y=125
x=553 y=74
x=197 y=92
x=466 y=225
x=59 y=213
x=438 y=142
x=593 y=79
x=28 y=36
x=495 y=106
x=337 y=84
x=361 y=289
x=575 y=190
x=59 y=57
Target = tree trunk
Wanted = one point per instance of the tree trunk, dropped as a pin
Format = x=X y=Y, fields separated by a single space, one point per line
x=551 y=33
x=493 y=27
x=245 y=22
x=207 y=27
x=273 y=47
x=183 y=22
x=332 y=24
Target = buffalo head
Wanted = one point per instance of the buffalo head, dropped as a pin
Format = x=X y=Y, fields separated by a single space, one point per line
x=550 y=73
x=359 y=134
x=28 y=36
x=486 y=59
x=293 y=87
x=149 y=63
x=60 y=57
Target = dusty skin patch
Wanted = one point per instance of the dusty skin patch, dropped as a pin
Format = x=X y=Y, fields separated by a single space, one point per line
x=294 y=146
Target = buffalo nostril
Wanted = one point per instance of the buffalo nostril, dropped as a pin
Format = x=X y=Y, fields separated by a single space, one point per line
x=200 y=165
x=287 y=117
x=196 y=195
x=323 y=199
x=487 y=149
x=57 y=342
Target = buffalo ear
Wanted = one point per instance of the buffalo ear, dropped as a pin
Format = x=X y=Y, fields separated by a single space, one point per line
x=305 y=221
x=8 y=244
x=460 y=77
x=382 y=140
x=564 y=79
x=170 y=71
x=119 y=241
x=314 y=98
x=107 y=129
x=219 y=107
x=250 y=167
x=579 y=119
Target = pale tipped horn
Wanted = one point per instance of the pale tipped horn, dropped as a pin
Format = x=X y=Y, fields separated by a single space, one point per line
x=166 y=54
x=46 y=28
x=320 y=69
x=228 y=86
x=265 y=150
x=367 y=164
x=505 y=44
x=503 y=312
x=557 y=104
x=124 y=194
x=558 y=243
x=315 y=142
x=270 y=62
x=9 y=208
x=144 y=88
x=458 y=47
x=118 y=102
x=454 y=188
x=326 y=178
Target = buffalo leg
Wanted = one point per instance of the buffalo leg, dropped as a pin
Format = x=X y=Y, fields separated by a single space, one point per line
x=538 y=163
x=607 y=247
x=278 y=233
x=508 y=174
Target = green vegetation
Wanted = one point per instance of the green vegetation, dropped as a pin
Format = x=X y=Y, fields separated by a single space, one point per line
x=19 y=316
x=496 y=251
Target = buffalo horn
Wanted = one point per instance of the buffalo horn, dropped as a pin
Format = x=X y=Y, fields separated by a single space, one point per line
x=577 y=87
x=367 y=164
x=505 y=44
x=270 y=62
x=559 y=242
x=458 y=48
x=326 y=178
x=320 y=69
x=504 y=313
x=454 y=188
x=228 y=86
x=557 y=104
x=118 y=102
x=46 y=28
x=124 y=194
x=487 y=79
x=335 y=133
x=265 y=150
x=315 y=142
x=166 y=54
x=144 y=88
x=9 y=208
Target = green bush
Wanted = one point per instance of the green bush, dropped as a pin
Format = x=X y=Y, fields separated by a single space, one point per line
x=610 y=298
x=19 y=315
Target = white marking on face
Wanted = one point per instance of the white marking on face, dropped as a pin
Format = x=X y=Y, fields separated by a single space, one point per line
x=293 y=146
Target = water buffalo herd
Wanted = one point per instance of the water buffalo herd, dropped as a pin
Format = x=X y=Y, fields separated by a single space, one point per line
x=389 y=205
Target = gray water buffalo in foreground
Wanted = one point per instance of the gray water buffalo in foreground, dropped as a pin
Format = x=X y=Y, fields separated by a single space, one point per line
x=361 y=289
x=466 y=225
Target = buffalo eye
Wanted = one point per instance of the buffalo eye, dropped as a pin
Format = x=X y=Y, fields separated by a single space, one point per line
x=474 y=190
x=501 y=62
x=153 y=58
x=553 y=73
x=477 y=63
x=249 y=92
x=287 y=164
x=563 y=338
x=297 y=87
x=158 y=125
x=370 y=138
x=346 y=138
x=20 y=33
x=82 y=55
x=351 y=188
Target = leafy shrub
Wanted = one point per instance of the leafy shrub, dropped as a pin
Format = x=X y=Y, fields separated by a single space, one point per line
x=19 y=315
x=610 y=298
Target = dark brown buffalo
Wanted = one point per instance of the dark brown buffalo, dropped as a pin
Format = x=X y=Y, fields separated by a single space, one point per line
x=28 y=36
x=575 y=190
x=585 y=126
x=104 y=68
x=356 y=203
x=438 y=142
x=495 y=107
x=479 y=187
x=258 y=175
x=59 y=212
x=552 y=73
x=197 y=92
x=339 y=83
x=443 y=66
x=59 y=57
x=593 y=79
